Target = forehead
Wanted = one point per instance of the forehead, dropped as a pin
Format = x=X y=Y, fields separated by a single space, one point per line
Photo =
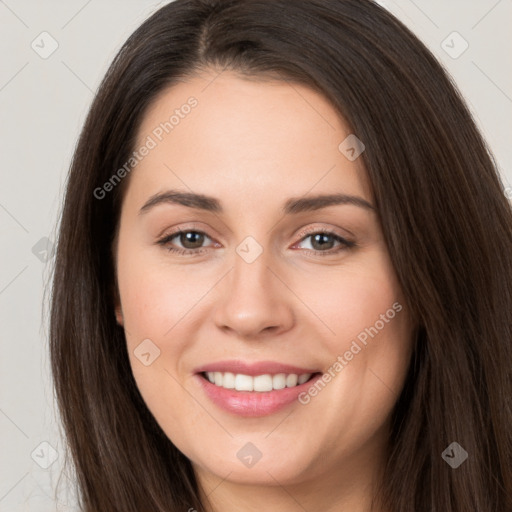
x=245 y=138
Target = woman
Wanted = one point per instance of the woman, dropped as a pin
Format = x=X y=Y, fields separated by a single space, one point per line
x=283 y=277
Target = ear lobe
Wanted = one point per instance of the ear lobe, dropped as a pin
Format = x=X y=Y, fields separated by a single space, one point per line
x=114 y=286
x=117 y=306
x=119 y=315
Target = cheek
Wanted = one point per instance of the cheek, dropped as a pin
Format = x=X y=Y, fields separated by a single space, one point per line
x=161 y=307
x=351 y=299
x=369 y=344
x=152 y=305
x=366 y=359
x=155 y=297
x=153 y=311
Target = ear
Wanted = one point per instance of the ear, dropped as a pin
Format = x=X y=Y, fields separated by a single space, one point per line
x=117 y=306
x=119 y=314
x=115 y=285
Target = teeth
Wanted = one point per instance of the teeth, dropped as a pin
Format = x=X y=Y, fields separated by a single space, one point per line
x=291 y=380
x=228 y=381
x=279 y=381
x=242 y=382
x=260 y=383
x=303 y=378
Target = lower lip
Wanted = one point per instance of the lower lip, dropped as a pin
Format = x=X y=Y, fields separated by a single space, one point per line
x=253 y=403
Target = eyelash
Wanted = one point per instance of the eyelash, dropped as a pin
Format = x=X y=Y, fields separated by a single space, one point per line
x=345 y=244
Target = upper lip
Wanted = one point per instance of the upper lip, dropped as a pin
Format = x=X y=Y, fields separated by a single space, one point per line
x=252 y=368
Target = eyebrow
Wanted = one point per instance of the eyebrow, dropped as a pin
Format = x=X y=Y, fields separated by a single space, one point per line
x=291 y=206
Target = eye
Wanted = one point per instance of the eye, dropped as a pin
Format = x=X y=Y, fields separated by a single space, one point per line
x=191 y=241
x=322 y=242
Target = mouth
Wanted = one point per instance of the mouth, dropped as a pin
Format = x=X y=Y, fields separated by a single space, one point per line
x=250 y=391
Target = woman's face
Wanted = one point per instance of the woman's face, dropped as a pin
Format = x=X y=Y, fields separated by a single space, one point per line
x=266 y=290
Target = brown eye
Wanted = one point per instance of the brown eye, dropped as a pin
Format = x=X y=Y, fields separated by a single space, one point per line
x=324 y=242
x=185 y=242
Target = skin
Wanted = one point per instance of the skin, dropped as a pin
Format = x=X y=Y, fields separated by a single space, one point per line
x=253 y=144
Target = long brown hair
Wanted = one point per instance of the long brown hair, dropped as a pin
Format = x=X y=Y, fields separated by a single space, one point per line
x=444 y=215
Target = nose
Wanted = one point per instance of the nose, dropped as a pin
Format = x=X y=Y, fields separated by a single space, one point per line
x=254 y=302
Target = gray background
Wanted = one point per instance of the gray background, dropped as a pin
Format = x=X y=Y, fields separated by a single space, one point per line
x=43 y=103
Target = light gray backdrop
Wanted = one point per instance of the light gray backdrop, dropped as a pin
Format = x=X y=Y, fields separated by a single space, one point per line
x=54 y=54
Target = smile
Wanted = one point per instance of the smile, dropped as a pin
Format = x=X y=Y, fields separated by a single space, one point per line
x=259 y=383
x=254 y=389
